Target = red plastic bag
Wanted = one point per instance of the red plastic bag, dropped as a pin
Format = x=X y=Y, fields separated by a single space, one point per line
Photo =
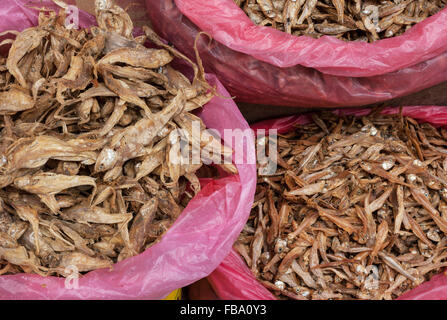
x=233 y=280
x=266 y=66
x=191 y=249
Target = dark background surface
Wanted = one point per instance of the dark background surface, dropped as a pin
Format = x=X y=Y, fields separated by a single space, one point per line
x=433 y=96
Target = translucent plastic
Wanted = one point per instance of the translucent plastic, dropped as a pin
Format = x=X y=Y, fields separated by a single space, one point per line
x=192 y=248
x=234 y=280
x=266 y=66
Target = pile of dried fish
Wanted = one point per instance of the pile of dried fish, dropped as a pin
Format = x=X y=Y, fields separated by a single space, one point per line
x=351 y=20
x=356 y=210
x=87 y=176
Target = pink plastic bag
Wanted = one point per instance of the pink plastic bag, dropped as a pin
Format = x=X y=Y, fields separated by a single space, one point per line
x=262 y=65
x=234 y=280
x=192 y=248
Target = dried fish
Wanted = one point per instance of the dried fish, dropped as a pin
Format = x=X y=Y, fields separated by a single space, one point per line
x=347 y=20
x=86 y=123
x=352 y=224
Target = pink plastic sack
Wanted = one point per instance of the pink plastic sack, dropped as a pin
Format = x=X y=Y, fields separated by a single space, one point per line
x=192 y=248
x=266 y=66
x=234 y=280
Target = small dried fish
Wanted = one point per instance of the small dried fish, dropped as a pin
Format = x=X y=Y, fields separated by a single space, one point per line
x=349 y=21
x=86 y=123
x=15 y=100
x=361 y=215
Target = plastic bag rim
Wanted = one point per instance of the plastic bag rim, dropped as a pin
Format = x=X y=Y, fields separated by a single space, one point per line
x=375 y=57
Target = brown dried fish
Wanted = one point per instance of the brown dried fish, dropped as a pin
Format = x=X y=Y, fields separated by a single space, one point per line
x=346 y=20
x=356 y=195
x=86 y=123
x=15 y=100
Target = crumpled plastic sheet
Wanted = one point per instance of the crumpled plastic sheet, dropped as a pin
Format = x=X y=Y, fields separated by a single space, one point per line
x=265 y=66
x=190 y=250
x=233 y=280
